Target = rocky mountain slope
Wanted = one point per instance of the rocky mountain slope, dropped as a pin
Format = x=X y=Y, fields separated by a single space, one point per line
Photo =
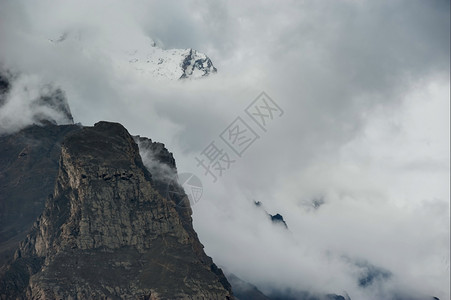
x=28 y=169
x=29 y=163
x=106 y=232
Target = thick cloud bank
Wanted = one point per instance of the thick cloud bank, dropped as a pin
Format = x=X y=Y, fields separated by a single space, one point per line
x=357 y=164
x=25 y=100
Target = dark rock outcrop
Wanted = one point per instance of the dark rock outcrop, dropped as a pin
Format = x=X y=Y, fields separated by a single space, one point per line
x=107 y=233
x=159 y=161
x=4 y=86
x=277 y=218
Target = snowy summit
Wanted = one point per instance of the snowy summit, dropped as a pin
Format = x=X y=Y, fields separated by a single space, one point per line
x=144 y=57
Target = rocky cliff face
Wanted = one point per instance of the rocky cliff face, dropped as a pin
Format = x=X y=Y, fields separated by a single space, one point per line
x=107 y=232
x=28 y=158
x=28 y=170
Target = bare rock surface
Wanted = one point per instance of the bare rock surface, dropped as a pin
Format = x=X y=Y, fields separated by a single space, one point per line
x=107 y=233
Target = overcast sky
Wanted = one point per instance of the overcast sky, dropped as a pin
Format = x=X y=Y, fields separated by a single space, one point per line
x=365 y=90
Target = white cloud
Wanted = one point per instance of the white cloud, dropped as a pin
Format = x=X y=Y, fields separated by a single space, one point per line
x=365 y=89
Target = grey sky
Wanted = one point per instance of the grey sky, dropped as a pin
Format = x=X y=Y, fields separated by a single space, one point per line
x=365 y=90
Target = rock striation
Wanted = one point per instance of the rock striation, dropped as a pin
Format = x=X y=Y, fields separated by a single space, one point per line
x=106 y=232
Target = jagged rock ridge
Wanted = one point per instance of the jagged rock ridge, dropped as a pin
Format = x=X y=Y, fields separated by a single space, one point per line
x=106 y=232
x=276 y=219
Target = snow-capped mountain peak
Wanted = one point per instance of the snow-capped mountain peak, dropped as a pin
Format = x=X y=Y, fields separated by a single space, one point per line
x=171 y=63
x=145 y=57
x=196 y=64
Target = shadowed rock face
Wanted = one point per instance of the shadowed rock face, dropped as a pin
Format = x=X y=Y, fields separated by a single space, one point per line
x=4 y=86
x=28 y=170
x=106 y=232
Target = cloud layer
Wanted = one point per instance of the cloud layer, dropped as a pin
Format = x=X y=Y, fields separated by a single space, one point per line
x=365 y=90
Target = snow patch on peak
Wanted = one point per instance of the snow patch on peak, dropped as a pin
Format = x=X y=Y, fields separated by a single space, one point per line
x=144 y=56
x=171 y=63
x=196 y=64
